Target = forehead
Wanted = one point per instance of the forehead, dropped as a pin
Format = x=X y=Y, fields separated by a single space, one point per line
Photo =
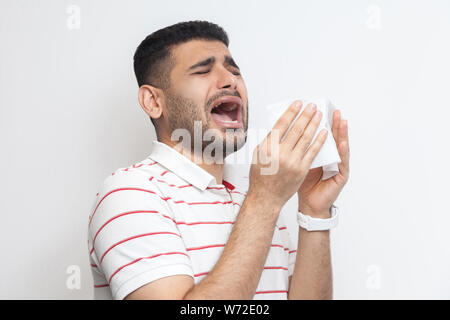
x=191 y=52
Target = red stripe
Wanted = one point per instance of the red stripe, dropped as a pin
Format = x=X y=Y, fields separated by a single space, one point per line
x=206 y=247
x=223 y=245
x=134 y=166
x=113 y=191
x=187 y=185
x=270 y=268
x=205 y=222
x=169 y=184
x=201 y=274
x=137 y=260
x=153 y=192
x=292 y=251
x=271 y=291
x=176 y=222
x=165 y=216
x=214 y=202
x=279 y=246
x=153 y=211
x=101 y=285
x=190 y=185
x=134 y=237
x=282 y=228
x=118 y=216
x=215 y=188
x=93 y=265
x=209 y=222
x=164 y=172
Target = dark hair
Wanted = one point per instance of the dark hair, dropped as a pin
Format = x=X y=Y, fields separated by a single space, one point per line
x=152 y=59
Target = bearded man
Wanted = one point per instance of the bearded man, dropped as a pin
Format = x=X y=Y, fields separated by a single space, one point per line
x=170 y=226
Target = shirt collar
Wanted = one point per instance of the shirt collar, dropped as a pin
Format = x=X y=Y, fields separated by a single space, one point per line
x=181 y=165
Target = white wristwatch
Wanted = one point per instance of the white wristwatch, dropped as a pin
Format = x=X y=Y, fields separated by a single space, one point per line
x=316 y=224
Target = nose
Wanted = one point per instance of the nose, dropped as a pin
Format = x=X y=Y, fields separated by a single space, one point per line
x=227 y=80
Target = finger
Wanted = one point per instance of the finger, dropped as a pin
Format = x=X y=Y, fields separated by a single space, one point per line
x=299 y=126
x=286 y=118
x=336 y=123
x=343 y=131
x=310 y=131
x=314 y=149
x=344 y=149
x=344 y=165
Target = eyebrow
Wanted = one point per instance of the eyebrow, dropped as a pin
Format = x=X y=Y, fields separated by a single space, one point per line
x=228 y=60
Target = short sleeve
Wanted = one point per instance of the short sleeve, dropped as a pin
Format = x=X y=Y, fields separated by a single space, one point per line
x=134 y=237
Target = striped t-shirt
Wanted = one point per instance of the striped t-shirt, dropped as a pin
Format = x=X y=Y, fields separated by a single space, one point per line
x=167 y=216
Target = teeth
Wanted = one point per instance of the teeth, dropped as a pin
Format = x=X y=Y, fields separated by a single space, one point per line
x=226 y=121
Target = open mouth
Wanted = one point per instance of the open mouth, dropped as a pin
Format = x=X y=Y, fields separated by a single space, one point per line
x=227 y=114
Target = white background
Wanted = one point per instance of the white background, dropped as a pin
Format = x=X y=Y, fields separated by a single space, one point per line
x=69 y=117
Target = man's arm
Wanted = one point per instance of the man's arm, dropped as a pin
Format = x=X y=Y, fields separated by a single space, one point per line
x=312 y=277
x=237 y=272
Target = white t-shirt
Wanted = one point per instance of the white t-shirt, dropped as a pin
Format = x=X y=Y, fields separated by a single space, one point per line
x=167 y=216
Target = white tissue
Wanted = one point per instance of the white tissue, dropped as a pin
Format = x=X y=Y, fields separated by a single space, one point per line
x=328 y=156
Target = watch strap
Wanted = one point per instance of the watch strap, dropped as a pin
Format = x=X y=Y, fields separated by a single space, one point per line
x=317 y=224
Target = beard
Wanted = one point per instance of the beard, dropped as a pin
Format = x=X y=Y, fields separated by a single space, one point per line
x=200 y=136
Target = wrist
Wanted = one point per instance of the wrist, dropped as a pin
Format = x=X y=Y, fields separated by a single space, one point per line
x=267 y=202
x=318 y=221
x=322 y=214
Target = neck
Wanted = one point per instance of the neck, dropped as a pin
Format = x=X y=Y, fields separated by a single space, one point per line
x=213 y=168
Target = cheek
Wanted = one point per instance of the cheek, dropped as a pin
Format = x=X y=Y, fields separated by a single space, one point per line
x=197 y=92
x=243 y=91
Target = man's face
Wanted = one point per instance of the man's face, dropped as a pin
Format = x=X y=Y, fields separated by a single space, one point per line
x=206 y=86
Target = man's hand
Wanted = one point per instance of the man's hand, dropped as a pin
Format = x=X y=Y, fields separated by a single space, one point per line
x=315 y=196
x=292 y=156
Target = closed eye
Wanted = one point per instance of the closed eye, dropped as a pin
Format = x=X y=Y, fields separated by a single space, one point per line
x=204 y=72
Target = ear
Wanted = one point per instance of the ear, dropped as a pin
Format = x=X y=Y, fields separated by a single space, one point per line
x=150 y=100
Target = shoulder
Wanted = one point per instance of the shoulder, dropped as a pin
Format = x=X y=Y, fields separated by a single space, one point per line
x=128 y=185
x=136 y=175
x=127 y=190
